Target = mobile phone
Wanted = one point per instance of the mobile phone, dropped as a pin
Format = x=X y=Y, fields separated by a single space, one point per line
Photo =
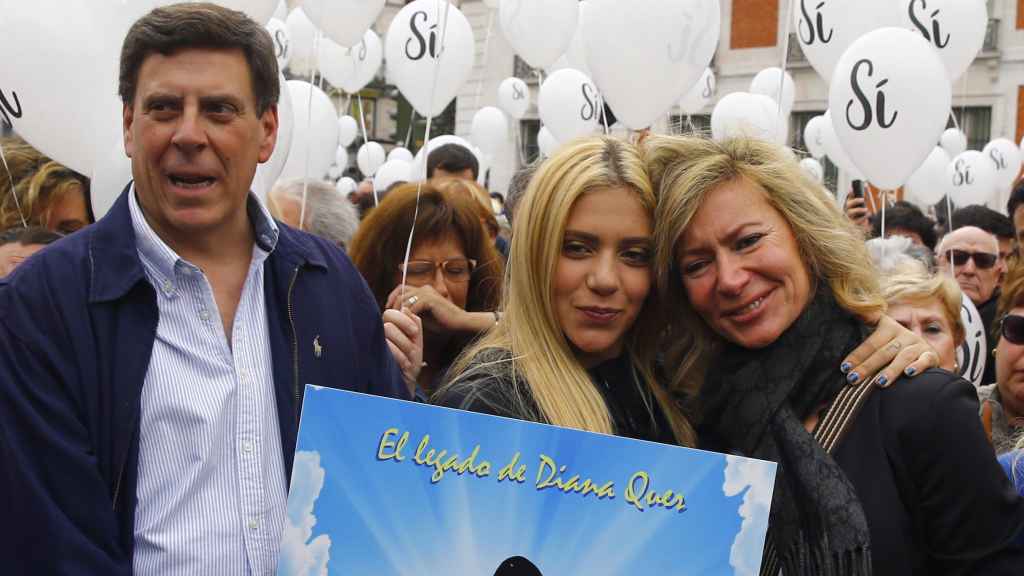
x=858 y=188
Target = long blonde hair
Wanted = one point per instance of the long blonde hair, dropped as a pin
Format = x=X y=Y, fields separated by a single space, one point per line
x=541 y=354
x=684 y=170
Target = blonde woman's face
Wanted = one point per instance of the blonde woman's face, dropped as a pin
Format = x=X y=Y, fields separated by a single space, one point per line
x=927 y=318
x=603 y=274
x=741 y=266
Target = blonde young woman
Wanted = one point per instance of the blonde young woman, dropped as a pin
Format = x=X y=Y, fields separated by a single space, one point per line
x=577 y=346
x=771 y=285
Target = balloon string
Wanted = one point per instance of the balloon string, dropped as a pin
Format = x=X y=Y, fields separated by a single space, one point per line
x=487 y=46
x=785 y=59
x=412 y=124
x=366 y=141
x=426 y=153
x=883 y=226
x=14 y=193
x=309 y=124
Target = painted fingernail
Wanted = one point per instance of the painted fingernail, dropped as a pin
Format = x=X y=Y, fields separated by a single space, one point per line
x=845 y=367
x=910 y=371
x=882 y=382
x=853 y=378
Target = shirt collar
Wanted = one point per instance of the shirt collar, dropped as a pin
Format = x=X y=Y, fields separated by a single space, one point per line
x=163 y=259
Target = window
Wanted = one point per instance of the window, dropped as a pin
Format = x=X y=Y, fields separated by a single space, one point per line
x=975 y=122
x=523 y=71
x=690 y=124
x=528 y=129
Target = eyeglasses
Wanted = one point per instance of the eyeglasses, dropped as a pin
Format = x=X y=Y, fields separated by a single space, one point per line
x=1012 y=328
x=455 y=270
x=982 y=260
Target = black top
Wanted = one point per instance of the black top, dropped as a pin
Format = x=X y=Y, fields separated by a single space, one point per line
x=487 y=386
x=987 y=311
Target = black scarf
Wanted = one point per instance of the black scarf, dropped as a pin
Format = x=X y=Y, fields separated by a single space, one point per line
x=755 y=401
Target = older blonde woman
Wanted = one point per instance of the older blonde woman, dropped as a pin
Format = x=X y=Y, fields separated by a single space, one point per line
x=770 y=284
x=48 y=193
x=928 y=305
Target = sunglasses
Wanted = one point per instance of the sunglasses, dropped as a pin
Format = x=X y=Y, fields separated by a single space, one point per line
x=982 y=260
x=1012 y=328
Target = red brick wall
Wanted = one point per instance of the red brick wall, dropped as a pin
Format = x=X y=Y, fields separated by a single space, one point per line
x=755 y=23
x=1020 y=14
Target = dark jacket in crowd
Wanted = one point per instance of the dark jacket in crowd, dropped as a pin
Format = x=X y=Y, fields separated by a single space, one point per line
x=487 y=386
x=77 y=326
x=923 y=470
x=987 y=311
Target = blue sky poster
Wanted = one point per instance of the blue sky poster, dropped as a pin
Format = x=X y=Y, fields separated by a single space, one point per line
x=393 y=488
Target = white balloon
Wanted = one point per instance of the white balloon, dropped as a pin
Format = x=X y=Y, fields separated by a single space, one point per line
x=812 y=137
x=341 y=158
x=59 y=77
x=109 y=177
x=972 y=178
x=334 y=172
x=834 y=150
x=646 y=55
x=767 y=83
x=569 y=104
x=1006 y=159
x=279 y=34
x=390 y=172
x=489 y=130
x=546 y=142
x=826 y=29
x=928 y=184
x=370 y=157
x=883 y=120
x=345 y=186
x=514 y=97
x=332 y=61
x=701 y=94
x=814 y=169
x=742 y=114
x=539 y=30
x=954 y=142
x=302 y=34
x=259 y=10
x=362 y=61
x=400 y=153
x=314 y=132
x=414 y=54
x=268 y=172
x=954 y=28
x=576 y=55
x=343 y=21
x=348 y=130
x=281 y=12
x=492 y=4
x=972 y=355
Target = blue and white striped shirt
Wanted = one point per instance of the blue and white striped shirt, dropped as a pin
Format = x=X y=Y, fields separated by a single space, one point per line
x=211 y=488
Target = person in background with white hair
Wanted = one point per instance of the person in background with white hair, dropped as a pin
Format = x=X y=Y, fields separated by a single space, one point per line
x=971 y=255
x=895 y=252
x=329 y=215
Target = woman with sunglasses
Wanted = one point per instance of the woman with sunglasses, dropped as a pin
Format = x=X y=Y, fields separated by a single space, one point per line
x=452 y=280
x=1002 y=403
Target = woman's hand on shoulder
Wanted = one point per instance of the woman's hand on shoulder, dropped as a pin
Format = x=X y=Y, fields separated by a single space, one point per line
x=889 y=352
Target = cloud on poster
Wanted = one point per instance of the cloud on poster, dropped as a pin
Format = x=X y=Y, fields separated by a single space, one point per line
x=299 y=555
x=754 y=479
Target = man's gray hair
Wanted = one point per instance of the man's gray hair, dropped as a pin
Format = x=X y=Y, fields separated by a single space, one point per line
x=329 y=214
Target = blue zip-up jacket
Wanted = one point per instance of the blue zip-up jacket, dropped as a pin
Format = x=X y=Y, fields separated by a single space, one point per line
x=77 y=325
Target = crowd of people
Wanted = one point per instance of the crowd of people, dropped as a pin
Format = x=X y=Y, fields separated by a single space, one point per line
x=675 y=289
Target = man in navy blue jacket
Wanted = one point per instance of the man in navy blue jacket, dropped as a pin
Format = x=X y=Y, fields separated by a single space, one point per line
x=152 y=366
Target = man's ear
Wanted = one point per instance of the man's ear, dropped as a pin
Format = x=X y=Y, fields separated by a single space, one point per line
x=269 y=123
x=127 y=116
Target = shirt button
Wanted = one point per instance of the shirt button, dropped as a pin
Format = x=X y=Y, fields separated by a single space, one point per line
x=167 y=286
x=244 y=374
x=247 y=447
x=204 y=315
x=253 y=524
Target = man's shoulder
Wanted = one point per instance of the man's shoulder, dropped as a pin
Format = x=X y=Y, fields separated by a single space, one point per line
x=65 y=263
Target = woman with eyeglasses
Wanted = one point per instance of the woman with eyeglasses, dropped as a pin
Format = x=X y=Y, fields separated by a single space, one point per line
x=1002 y=403
x=452 y=280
